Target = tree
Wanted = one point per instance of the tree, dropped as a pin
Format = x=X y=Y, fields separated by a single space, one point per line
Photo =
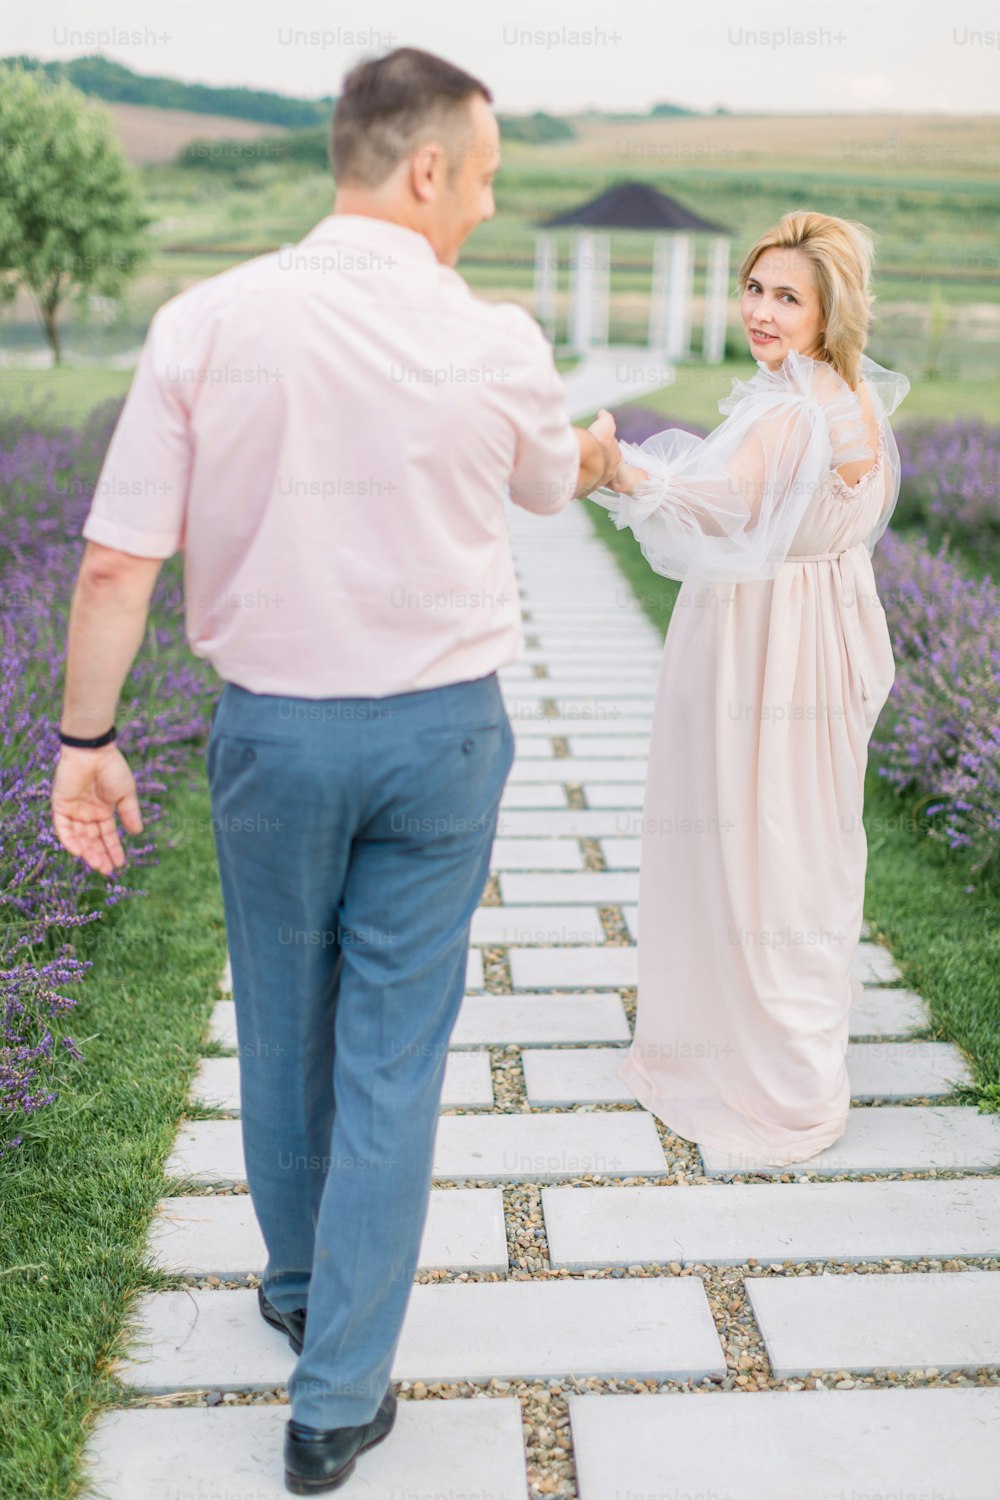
x=71 y=217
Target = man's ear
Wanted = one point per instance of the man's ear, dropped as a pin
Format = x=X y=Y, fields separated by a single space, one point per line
x=425 y=166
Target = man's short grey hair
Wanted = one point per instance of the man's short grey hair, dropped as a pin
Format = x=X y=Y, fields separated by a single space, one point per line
x=389 y=104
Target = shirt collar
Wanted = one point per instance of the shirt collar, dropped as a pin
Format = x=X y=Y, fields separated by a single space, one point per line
x=373 y=234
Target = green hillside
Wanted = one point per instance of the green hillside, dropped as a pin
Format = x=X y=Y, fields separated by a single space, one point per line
x=104 y=79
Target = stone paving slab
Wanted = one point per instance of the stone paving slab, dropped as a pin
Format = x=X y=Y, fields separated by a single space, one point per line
x=571 y=634
x=614 y=794
x=583 y=1075
x=222 y=1025
x=468 y=1082
x=504 y=926
x=622 y=854
x=586 y=768
x=574 y=823
x=862 y=1322
x=606 y=888
x=663 y=1328
x=537 y=749
x=773 y=1222
x=437 y=1448
x=561 y=666
x=883 y=1012
x=547 y=1147
x=584 y=633
x=905 y=1070
x=581 y=726
x=542 y=1020
x=536 y=854
x=566 y=968
x=789 y=1445
x=874 y=964
x=877 y=1070
x=629 y=746
x=527 y=794
x=890 y=1138
x=219 y=1235
x=481 y=1148
x=579 y=707
x=635 y=709
x=590 y=687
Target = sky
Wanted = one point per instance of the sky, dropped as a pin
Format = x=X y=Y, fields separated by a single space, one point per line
x=811 y=56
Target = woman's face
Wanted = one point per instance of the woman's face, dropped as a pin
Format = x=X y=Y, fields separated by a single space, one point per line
x=780 y=307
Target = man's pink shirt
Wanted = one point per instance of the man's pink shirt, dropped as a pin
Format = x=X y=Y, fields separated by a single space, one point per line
x=328 y=433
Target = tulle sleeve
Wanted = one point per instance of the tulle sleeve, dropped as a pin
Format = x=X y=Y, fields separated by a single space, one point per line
x=726 y=508
x=888 y=388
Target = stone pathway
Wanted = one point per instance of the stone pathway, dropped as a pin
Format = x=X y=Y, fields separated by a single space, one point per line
x=601 y=1311
x=607 y=377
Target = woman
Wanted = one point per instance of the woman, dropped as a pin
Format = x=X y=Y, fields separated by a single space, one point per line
x=775 y=668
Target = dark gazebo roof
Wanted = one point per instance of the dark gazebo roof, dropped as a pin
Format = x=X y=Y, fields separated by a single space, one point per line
x=633 y=205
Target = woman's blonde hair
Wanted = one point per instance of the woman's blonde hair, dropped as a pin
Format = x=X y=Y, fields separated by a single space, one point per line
x=842 y=253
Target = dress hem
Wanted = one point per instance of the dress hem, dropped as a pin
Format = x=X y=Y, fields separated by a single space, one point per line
x=633 y=1080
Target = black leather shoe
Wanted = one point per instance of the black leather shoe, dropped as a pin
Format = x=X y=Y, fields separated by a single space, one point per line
x=293 y=1323
x=318 y=1458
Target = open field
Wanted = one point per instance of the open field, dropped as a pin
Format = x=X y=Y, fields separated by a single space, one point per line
x=905 y=144
x=156 y=135
x=927 y=186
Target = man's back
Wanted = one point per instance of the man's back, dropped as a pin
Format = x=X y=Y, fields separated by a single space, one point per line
x=327 y=432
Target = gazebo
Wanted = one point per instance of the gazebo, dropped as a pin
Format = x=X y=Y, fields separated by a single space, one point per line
x=635 y=205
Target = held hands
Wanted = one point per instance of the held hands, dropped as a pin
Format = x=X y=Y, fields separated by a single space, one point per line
x=87 y=789
x=603 y=430
x=627 y=478
x=618 y=475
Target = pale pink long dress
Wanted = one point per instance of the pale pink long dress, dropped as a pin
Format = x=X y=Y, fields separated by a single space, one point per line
x=753 y=850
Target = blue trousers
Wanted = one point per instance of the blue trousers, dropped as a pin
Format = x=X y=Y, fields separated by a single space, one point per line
x=354 y=839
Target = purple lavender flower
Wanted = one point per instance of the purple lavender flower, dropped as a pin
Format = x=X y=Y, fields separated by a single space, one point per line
x=941 y=734
x=46 y=482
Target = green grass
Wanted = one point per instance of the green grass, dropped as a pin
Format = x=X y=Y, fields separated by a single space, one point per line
x=941 y=923
x=77 y=1197
x=943 y=927
x=60 y=395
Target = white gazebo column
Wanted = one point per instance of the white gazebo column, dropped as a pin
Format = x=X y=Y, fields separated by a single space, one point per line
x=679 y=297
x=546 y=283
x=716 y=300
x=659 y=293
x=581 y=288
x=602 y=288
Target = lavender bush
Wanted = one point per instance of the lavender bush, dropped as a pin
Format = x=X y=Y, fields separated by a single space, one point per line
x=951 y=477
x=942 y=735
x=634 y=424
x=46 y=482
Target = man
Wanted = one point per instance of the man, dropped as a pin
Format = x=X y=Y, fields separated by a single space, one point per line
x=327 y=432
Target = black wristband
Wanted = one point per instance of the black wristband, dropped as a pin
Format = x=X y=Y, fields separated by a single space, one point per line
x=95 y=744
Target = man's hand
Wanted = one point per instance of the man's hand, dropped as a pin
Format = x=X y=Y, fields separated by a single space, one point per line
x=604 y=431
x=89 y=786
x=600 y=456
